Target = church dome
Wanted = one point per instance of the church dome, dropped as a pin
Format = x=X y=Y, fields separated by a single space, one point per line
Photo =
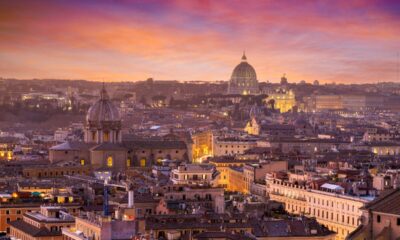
x=243 y=79
x=244 y=73
x=103 y=110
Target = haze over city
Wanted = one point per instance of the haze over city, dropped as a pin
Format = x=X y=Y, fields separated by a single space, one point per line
x=331 y=41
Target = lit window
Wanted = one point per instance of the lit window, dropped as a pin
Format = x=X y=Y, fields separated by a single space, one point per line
x=128 y=162
x=106 y=136
x=143 y=162
x=82 y=162
x=109 y=161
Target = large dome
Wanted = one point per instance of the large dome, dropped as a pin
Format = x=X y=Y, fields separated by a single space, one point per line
x=103 y=110
x=243 y=79
x=244 y=72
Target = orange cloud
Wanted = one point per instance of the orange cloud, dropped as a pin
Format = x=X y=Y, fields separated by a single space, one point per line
x=196 y=40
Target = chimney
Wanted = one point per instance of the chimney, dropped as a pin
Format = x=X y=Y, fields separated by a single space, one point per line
x=118 y=214
x=131 y=198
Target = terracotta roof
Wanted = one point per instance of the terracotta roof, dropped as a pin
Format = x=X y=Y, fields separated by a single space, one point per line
x=221 y=235
x=108 y=147
x=289 y=228
x=32 y=230
x=159 y=144
x=387 y=202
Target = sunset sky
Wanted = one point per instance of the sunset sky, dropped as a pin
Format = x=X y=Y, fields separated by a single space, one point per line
x=346 y=41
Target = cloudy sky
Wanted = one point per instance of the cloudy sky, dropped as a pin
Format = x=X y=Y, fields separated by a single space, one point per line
x=129 y=40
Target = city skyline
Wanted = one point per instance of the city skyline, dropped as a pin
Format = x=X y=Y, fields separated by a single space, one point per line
x=341 y=41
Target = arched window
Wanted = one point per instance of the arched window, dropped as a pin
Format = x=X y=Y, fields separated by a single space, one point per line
x=109 y=161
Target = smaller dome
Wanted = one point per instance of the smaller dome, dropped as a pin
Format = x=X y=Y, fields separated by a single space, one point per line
x=103 y=110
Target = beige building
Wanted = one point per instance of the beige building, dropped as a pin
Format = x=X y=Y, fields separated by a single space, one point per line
x=54 y=171
x=223 y=167
x=387 y=180
x=195 y=174
x=308 y=146
x=377 y=135
x=232 y=146
x=339 y=212
x=202 y=145
x=328 y=102
x=380 y=148
x=256 y=172
x=13 y=212
x=94 y=227
x=381 y=218
x=46 y=224
x=354 y=102
x=284 y=100
x=195 y=196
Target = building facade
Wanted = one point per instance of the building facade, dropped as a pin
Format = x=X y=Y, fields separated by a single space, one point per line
x=339 y=212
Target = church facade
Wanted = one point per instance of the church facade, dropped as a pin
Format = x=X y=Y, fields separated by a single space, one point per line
x=104 y=146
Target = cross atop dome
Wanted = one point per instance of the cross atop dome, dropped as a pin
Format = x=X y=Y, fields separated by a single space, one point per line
x=244 y=58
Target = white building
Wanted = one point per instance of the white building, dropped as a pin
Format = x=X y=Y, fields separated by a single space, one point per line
x=195 y=174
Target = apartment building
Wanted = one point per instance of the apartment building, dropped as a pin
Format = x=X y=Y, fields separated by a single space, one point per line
x=330 y=206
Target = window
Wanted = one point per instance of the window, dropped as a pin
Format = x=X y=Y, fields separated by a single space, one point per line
x=106 y=136
x=82 y=162
x=143 y=162
x=109 y=161
x=398 y=221
x=8 y=220
x=378 y=218
x=18 y=211
x=128 y=162
x=7 y=212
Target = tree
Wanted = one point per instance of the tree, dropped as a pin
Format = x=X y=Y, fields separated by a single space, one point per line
x=271 y=103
